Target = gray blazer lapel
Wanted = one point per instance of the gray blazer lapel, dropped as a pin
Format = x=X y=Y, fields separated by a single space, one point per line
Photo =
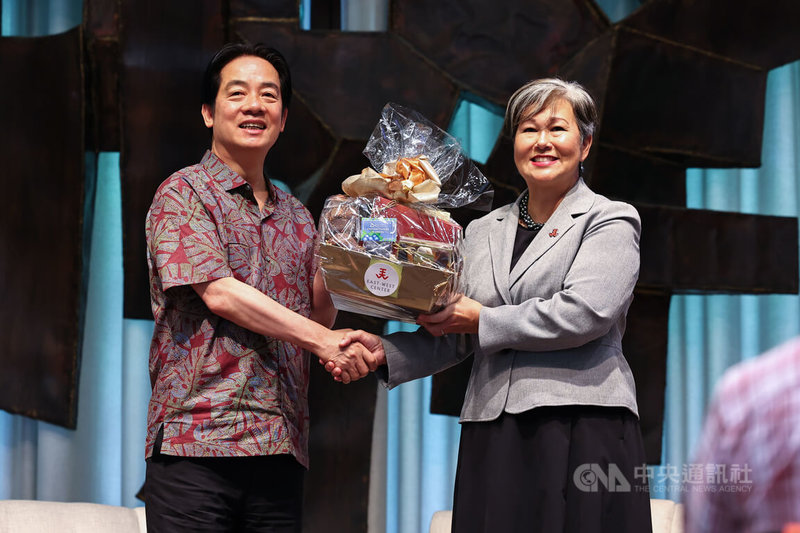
x=578 y=201
x=501 y=245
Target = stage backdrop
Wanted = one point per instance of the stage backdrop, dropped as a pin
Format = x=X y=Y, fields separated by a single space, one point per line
x=101 y=460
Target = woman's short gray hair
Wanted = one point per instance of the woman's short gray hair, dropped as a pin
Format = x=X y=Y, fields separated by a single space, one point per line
x=539 y=94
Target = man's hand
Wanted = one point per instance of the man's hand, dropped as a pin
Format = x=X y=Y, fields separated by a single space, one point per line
x=351 y=359
x=370 y=343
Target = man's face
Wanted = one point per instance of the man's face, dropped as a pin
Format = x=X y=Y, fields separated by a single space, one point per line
x=248 y=112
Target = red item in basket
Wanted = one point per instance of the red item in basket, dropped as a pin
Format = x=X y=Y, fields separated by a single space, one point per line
x=417 y=223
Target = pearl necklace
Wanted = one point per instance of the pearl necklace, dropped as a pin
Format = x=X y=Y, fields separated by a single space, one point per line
x=525 y=217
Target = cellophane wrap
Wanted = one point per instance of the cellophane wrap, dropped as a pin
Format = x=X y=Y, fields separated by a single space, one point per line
x=385 y=258
x=403 y=132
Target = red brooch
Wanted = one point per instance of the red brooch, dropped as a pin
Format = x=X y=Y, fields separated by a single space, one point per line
x=554 y=232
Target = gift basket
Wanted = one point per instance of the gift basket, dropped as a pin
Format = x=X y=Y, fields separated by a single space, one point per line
x=388 y=248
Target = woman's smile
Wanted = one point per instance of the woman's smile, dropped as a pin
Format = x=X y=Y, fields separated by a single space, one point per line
x=548 y=148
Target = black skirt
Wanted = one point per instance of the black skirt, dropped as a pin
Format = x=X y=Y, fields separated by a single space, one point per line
x=573 y=469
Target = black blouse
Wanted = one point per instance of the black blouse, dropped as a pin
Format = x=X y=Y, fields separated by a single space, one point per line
x=521 y=242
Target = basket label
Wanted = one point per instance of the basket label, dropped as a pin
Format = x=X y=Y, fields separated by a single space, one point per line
x=379 y=229
x=382 y=278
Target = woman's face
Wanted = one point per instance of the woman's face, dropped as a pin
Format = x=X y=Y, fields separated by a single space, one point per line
x=548 y=148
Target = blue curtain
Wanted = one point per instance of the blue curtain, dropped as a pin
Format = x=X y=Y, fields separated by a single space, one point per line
x=617 y=10
x=710 y=333
x=35 y=18
x=102 y=461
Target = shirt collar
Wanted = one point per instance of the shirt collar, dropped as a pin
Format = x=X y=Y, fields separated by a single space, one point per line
x=227 y=179
x=221 y=173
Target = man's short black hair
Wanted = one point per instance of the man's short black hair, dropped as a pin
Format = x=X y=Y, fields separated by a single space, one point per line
x=231 y=51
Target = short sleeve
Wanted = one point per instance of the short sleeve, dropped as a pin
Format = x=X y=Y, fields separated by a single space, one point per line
x=184 y=245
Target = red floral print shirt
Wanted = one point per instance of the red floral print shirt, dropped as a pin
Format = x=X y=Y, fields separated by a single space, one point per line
x=220 y=389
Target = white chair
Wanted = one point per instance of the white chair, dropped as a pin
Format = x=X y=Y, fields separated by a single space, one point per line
x=667 y=516
x=440 y=522
x=29 y=516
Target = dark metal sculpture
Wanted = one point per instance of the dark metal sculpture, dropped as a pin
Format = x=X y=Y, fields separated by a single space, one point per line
x=44 y=224
x=163 y=51
x=679 y=83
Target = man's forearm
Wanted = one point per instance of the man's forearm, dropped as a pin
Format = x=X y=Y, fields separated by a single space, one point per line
x=249 y=308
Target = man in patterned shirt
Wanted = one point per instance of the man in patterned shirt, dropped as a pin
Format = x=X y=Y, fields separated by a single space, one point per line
x=237 y=307
x=750 y=448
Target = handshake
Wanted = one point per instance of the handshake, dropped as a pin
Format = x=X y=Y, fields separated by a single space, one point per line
x=349 y=354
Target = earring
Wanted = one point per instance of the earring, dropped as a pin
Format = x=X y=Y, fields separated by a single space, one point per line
x=580 y=170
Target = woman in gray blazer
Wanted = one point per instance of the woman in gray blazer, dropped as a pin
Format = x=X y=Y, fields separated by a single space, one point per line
x=550 y=438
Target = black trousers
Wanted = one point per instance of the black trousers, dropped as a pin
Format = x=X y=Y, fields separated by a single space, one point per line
x=573 y=469
x=223 y=494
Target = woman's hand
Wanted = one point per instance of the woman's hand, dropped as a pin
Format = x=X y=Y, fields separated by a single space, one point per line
x=461 y=316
